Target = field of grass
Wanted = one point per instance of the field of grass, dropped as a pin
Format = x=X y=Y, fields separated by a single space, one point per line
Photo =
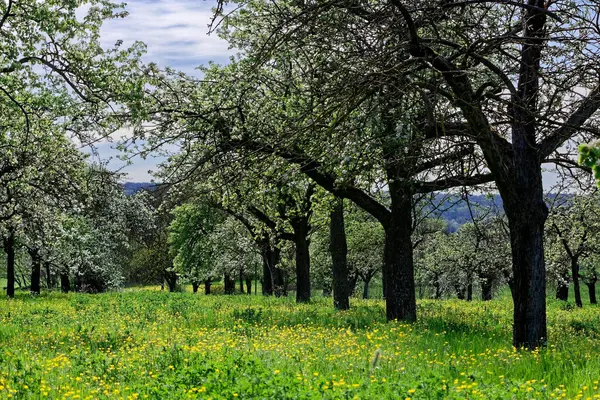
x=149 y=344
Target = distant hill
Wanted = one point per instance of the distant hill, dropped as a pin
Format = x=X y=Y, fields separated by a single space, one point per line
x=455 y=210
x=451 y=208
x=133 y=187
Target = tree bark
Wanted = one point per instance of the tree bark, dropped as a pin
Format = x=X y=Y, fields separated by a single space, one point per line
x=248 y=285
x=562 y=291
x=207 y=284
x=195 y=286
x=366 y=282
x=49 y=283
x=272 y=275
x=486 y=290
x=437 y=288
x=338 y=248
x=9 y=248
x=36 y=266
x=352 y=282
x=301 y=228
x=576 y=286
x=171 y=278
x=526 y=219
x=267 y=279
x=241 y=281
x=460 y=292
x=228 y=284
x=398 y=269
x=469 y=291
x=65 y=283
x=592 y=291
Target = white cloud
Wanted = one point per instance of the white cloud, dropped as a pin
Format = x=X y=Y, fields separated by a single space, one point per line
x=175 y=31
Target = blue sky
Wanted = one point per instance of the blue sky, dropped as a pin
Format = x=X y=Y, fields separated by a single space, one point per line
x=175 y=32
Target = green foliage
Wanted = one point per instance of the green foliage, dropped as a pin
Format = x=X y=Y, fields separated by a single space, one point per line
x=589 y=156
x=156 y=344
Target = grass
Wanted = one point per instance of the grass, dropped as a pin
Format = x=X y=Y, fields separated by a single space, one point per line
x=158 y=345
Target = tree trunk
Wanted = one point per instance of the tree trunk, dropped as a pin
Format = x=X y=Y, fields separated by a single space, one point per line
x=438 y=288
x=460 y=292
x=195 y=286
x=228 y=284
x=352 y=282
x=49 y=283
x=592 y=291
x=562 y=291
x=241 y=281
x=272 y=275
x=171 y=278
x=470 y=291
x=301 y=241
x=279 y=284
x=526 y=219
x=207 y=284
x=9 y=248
x=36 y=266
x=486 y=290
x=576 y=286
x=267 y=280
x=65 y=283
x=366 y=283
x=338 y=248
x=248 y=285
x=398 y=269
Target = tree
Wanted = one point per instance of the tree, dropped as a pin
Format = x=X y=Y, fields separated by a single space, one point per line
x=53 y=60
x=338 y=247
x=277 y=120
x=575 y=226
x=519 y=103
x=40 y=177
x=366 y=240
x=190 y=237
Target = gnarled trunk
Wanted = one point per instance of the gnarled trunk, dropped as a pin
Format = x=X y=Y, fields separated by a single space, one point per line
x=526 y=223
x=267 y=280
x=65 y=282
x=338 y=248
x=195 y=286
x=241 y=281
x=562 y=291
x=460 y=291
x=228 y=284
x=469 y=291
x=437 y=294
x=171 y=278
x=576 y=286
x=486 y=290
x=248 y=285
x=207 y=284
x=49 y=283
x=301 y=228
x=592 y=291
x=36 y=267
x=9 y=248
x=366 y=282
x=398 y=269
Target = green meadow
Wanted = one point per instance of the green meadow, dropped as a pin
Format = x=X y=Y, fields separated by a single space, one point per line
x=150 y=344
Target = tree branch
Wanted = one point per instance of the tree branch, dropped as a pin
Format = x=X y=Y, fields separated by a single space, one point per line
x=311 y=168
x=579 y=117
x=454 y=156
x=442 y=184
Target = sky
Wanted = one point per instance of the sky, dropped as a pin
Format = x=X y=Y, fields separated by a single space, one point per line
x=175 y=32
